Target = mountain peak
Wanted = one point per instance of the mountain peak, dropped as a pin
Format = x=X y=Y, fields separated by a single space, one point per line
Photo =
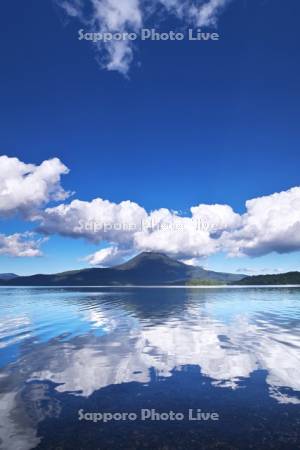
x=147 y=268
x=148 y=259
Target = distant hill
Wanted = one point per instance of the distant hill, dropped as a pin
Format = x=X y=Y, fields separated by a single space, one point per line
x=145 y=269
x=7 y=276
x=282 y=278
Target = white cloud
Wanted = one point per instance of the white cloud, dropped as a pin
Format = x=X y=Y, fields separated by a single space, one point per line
x=25 y=187
x=208 y=13
x=270 y=224
x=178 y=236
x=126 y=16
x=96 y=221
x=20 y=245
x=216 y=217
x=109 y=256
x=73 y=8
x=130 y=229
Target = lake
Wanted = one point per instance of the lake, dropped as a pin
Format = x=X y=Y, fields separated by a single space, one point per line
x=201 y=368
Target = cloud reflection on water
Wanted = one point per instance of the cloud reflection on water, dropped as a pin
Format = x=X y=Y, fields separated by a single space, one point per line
x=121 y=337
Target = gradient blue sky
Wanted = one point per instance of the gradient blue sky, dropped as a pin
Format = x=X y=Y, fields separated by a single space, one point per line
x=213 y=122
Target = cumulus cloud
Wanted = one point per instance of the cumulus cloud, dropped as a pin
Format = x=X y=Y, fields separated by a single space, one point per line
x=96 y=221
x=183 y=236
x=270 y=224
x=129 y=228
x=25 y=187
x=20 y=245
x=127 y=16
x=109 y=256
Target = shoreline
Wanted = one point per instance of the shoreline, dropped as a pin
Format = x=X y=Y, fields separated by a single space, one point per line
x=161 y=286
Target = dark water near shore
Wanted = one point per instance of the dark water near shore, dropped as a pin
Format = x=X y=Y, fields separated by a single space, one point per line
x=233 y=352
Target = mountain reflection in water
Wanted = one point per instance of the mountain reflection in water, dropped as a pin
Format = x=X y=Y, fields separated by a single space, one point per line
x=235 y=351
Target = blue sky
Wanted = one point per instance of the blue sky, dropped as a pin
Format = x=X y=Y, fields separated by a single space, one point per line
x=192 y=123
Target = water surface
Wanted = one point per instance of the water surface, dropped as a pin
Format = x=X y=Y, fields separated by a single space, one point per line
x=235 y=352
